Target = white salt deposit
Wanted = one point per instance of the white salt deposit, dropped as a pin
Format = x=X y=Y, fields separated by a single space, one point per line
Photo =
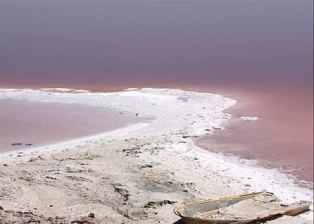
x=197 y=114
x=249 y=118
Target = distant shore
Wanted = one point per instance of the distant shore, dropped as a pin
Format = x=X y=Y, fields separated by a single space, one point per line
x=138 y=173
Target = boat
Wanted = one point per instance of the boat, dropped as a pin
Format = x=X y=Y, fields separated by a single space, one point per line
x=198 y=212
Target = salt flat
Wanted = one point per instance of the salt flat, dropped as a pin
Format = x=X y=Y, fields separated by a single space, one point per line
x=138 y=173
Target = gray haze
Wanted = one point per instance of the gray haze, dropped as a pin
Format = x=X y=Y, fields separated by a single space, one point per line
x=118 y=43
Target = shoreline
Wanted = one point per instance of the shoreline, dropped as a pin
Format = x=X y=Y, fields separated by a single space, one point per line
x=255 y=162
x=42 y=124
x=179 y=142
x=83 y=141
x=281 y=137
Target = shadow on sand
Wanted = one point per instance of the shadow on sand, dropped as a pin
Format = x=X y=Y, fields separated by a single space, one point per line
x=179 y=222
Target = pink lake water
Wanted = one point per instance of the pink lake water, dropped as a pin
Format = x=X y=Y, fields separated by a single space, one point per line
x=26 y=124
x=281 y=138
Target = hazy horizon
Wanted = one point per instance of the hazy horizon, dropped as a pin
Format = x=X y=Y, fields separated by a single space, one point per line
x=132 y=43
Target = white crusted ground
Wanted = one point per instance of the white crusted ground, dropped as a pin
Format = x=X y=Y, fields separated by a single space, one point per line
x=174 y=117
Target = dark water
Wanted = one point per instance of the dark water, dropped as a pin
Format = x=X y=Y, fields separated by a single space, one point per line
x=260 y=52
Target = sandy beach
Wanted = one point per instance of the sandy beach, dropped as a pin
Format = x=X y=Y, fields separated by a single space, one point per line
x=137 y=173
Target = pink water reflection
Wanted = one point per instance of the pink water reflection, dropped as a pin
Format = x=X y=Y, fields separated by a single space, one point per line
x=34 y=124
x=282 y=138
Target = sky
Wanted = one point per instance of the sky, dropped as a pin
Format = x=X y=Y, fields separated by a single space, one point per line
x=113 y=43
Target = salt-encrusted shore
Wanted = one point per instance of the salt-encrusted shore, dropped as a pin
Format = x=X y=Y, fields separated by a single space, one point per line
x=138 y=173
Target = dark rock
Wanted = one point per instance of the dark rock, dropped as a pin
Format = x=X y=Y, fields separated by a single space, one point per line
x=32 y=159
x=146 y=166
x=91 y=215
x=120 y=190
x=155 y=204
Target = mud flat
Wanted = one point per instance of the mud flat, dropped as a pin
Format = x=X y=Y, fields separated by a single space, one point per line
x=135 y=174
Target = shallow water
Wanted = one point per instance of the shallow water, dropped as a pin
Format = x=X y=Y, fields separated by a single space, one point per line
x=26 y=124
x=281 y=138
